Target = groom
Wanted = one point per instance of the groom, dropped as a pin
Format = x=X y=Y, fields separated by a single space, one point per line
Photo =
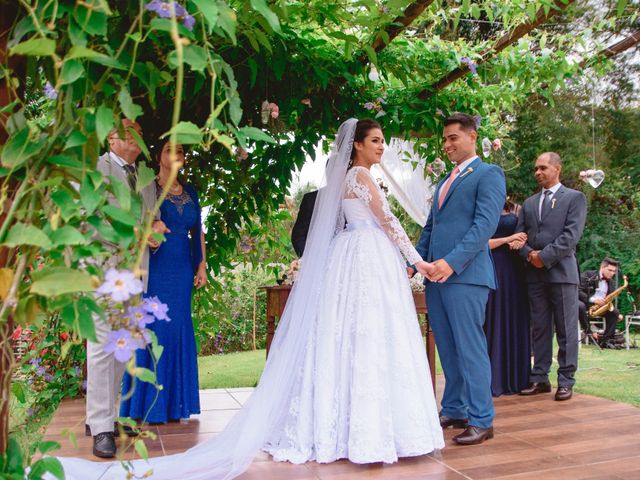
x=464 y=216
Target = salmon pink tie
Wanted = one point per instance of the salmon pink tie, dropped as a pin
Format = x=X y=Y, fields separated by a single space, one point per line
x=446 y=186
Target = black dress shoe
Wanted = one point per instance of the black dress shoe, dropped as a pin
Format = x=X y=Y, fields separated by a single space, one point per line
x=564 y=393
x=473 y=435
x=446 y=422
x=128 y=431
x=535 y=388
x=104 y=445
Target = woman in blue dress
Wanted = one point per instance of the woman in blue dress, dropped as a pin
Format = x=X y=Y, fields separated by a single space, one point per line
x=175 y=267
x=507 y=320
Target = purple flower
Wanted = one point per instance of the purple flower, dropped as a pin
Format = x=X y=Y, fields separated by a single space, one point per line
x=121 y=344
x=163 y=9
x=473 y=67
x=77 y=371
x=189 y=21
x=369 y=106
x=48 y=377
x=35 y=361
x=154 y=306
x=84 y=385
x=465 y=60
x=478 y=120
x=40 y=371
x=139 y=317
x=30 y=381
x=380 y=100
x=30 y=412
x=121 y=285
x=50 y=92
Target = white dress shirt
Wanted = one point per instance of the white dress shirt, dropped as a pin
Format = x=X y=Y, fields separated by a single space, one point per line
x=553 y=190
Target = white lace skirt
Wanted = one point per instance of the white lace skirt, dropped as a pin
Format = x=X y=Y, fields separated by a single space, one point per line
x=364 y=389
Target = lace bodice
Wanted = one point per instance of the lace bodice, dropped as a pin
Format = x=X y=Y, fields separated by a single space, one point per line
x=364 y=200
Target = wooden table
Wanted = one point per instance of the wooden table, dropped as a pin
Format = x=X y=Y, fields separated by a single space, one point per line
x=277 y=296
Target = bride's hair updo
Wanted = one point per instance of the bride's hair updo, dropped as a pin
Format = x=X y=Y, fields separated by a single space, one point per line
x=363 y=127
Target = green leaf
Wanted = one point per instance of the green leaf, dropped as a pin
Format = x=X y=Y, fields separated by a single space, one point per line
x=119 y=215
x=210 y=12
x=371 y=53
x=71 y=71
x=227 y=20
x=146 y=176
x=104 y=122
x=38 y=47
x=144 y=374
x=80 y=51
x=67 y=235
x=65 y=161
x=164 y=25
x=156 y=348
x=193 y=55
x=252 y=133
x=91 y=21
x=55 y=281
x=263 y=9
x=67 y=204
x=49 y=465
x=130 y=109
x=187 y=133
x=19 y=148
x=18 y=391
x=123 y=194
x=620 y=6
x=24 y=234
x=76 y=139
x=136 y=136
x=141 y=448
x=46 y=447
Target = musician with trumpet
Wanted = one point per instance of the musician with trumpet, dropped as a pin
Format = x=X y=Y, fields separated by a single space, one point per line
x=596 y=296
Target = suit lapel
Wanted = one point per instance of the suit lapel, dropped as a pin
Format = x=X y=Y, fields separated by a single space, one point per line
x=471 y=168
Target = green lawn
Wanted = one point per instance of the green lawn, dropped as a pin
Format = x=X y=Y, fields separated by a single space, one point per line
x=613 y=374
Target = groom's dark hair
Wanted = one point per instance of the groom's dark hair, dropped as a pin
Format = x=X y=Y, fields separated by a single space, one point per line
x=466 y=121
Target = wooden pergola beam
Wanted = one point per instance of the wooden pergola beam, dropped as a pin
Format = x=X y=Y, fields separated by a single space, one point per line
x=502 y=43
x=615 y=49
x=399 y=24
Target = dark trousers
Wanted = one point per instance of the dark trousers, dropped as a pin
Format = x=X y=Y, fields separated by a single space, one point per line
x=554 y=305
x=610 y=321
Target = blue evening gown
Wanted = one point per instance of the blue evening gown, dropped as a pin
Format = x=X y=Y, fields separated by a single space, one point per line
x=507 y=320
x=171 y=272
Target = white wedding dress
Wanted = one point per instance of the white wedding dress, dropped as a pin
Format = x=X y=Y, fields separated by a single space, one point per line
x=363 y=391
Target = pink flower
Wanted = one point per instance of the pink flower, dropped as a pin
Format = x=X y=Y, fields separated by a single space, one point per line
x=497 y=144
x=275 y=110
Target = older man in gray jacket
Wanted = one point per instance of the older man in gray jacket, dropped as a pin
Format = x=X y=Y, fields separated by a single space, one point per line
x=104 y=372
x=553 y=220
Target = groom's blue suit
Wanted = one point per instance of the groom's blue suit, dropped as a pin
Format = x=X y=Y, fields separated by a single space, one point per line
x=459 y=233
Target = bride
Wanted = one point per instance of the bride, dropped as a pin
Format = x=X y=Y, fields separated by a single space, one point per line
x=347 y=374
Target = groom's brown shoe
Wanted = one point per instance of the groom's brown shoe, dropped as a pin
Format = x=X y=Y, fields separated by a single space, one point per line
x=473 y=435
x=564 y=393
x=535 y=388
x=446 y=422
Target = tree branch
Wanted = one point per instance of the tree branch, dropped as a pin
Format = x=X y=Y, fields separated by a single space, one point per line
x=502 y=43
x=400 y=23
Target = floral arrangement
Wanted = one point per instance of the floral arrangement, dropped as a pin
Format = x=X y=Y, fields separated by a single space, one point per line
x=416 y=283
x=292 y=272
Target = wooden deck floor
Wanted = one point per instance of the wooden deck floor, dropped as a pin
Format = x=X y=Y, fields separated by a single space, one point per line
x=536 y=438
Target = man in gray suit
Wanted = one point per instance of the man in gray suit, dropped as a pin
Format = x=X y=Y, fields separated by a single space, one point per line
x=553 y=220
x=104 y=372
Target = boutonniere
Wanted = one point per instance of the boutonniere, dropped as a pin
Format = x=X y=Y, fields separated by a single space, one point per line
x=553 y=203
x=466 y=172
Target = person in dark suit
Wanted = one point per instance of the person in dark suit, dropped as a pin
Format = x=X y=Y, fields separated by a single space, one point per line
x=595 y=285
x=463 y=217
x=301 y=227
x=553 y=220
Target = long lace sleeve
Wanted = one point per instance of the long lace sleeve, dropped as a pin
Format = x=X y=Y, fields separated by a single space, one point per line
x=360 y=184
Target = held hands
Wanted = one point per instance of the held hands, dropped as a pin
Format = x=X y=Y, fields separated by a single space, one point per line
x=424 y=268
x=157 y=227
x=534 y=259
x=440 y=271
x=517 y=241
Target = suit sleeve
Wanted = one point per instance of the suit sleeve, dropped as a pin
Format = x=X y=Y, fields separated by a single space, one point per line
x=521 y=227
x=565 y=243
x=489 y=203
x=425 y=238
x=301 y=227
